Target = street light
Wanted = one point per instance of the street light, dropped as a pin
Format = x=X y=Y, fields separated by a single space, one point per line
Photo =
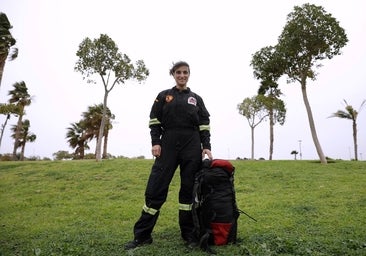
x=300 y=149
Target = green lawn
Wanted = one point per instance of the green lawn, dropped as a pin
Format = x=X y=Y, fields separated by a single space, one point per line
x=89 y=208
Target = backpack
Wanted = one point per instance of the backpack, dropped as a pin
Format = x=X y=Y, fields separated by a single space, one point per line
x=215 y=212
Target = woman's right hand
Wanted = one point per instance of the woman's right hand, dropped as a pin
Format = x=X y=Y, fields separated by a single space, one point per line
x=156 y=150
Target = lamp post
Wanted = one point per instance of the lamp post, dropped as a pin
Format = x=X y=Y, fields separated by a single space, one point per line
x=300 y=149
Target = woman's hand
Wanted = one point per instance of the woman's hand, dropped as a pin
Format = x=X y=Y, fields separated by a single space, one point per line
x=206 y=152
x=156 y=150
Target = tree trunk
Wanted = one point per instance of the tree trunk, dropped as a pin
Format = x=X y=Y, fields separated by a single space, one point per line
x=2 y=65
x=252 y=129
x=3 y=128
x=82 y=150
x=354 y=126
x=22 y=151
x=271 y=136
x=105 y=145
x=319 y=150
x=17 y=133
x=98 y=150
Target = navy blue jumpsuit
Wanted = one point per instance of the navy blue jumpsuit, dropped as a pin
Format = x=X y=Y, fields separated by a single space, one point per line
x=179 y=122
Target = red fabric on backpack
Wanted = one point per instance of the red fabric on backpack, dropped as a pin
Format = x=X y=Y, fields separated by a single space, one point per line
x=225 y=164
x=220 y=232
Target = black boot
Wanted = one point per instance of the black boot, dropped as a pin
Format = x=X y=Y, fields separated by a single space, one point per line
x=142 y=230
x=136 y=243
x=187 y=228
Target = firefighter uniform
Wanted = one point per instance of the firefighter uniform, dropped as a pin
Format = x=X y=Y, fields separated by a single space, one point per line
x=180 y=123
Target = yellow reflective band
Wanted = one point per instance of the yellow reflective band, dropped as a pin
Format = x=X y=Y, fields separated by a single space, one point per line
x=149 y=210
x=185 y=207
x=205 y=127
x=154 y=121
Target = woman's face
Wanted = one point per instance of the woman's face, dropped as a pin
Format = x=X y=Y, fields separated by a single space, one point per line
x=181 y=76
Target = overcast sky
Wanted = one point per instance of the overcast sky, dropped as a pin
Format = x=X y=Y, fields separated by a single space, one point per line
x=217 y=39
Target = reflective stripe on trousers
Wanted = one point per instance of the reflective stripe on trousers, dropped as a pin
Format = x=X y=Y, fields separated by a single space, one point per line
x=149 y=210
x=185 y=207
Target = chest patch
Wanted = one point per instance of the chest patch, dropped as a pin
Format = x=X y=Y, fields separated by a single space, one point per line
x=169 y=98
x=192 y=101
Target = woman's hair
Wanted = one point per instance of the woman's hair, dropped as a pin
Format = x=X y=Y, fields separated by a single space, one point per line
x=178 y=65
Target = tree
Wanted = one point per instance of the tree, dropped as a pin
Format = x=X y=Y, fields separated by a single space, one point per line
x=253 y=109
x=267 y=70
x=276 y=110
x=24 y=136
x=309 y=36
x=92 y=119
x=62 y=155
x=88 y=128
x=21 y=98
x=351 y=114
x=8 y=110
x=77 y=139
x=102 y=57
x=294 y=152
x=6 y=42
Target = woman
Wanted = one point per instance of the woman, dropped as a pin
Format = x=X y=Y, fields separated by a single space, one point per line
x=180 y=135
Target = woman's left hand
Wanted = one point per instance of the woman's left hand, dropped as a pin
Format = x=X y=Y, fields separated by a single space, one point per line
x=207 y=152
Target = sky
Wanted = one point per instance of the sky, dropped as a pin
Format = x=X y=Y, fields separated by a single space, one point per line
x=217 y=39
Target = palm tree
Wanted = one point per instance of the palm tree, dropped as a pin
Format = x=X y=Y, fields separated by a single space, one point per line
x=77 y=139
x=351 y=114
x=20 y=97
x=294 y=152
x=6 y=42
x=79 y=134
x=25 y=136
x=92 y=119
x=8 y=110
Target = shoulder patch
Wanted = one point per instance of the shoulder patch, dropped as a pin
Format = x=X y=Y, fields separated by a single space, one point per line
x=192 y=101
x=169 y=98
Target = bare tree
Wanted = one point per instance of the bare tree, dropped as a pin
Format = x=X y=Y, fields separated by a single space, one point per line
x=254 y=111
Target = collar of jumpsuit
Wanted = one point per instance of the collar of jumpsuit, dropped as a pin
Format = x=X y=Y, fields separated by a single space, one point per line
x=185 y=90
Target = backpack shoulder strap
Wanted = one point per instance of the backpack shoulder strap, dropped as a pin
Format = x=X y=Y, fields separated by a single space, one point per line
x=197 y=201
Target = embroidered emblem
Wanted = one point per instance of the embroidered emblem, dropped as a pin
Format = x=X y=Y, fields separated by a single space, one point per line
x=192 y=101
x=169 y=98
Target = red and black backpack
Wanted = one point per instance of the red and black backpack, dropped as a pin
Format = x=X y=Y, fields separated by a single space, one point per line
x=215 y=212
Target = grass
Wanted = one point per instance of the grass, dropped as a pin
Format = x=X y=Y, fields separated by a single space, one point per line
x=89 y=208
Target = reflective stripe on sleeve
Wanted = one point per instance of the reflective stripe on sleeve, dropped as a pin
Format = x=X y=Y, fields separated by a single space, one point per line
x=205 y=127
x=149 y=210
x=154 y=121
x=185 y=207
